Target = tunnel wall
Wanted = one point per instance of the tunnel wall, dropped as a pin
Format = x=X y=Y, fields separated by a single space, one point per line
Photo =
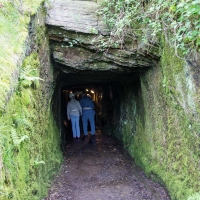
x=29 y=138
x=159 y=123
x=58 y=110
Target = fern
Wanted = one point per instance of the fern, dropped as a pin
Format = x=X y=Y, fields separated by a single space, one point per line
x=26 y=73
x=37 y=163
x=29 y=77
x=15 y=137
x=19 y=121
x=3 y=128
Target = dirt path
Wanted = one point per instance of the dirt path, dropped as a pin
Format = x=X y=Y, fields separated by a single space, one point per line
x=102 y=172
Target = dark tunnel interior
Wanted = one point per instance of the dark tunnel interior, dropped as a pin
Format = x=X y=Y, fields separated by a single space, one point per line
x=107 y=97
x=106 y=87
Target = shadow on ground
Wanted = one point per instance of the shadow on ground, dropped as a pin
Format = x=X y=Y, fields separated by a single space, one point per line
x=104 y=171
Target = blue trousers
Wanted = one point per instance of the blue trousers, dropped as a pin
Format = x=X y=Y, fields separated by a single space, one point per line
x=85 y=117
x=75 y=125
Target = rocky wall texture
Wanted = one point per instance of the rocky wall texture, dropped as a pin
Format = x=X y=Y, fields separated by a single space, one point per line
x=151 y=98
x=30 y=141
x=81 y=46
x=159 y=124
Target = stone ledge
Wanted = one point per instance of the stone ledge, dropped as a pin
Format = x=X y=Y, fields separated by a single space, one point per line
x=78 y=16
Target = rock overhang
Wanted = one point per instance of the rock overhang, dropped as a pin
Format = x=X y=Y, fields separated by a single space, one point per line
x=81 y=49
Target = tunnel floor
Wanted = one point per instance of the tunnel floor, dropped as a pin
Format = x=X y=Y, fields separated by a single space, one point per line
x=104 y=171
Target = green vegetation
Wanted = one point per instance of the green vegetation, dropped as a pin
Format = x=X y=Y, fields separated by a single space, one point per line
x=162 y=132
x=178 y=20
x=29 y=139
x=30 y=147
x=14 y=22
x=159 y=126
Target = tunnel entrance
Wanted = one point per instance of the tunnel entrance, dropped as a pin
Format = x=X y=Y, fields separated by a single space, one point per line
x=112 y=82
x=86 y=60
x=108 y=97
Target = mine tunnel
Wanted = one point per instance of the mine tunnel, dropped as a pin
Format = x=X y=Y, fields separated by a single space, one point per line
x=128 y=78
x=86 y=60
x=146 y=101
x=108 y=90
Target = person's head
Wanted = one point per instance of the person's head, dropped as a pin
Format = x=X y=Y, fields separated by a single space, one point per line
x=84 y=95
x=71 y=95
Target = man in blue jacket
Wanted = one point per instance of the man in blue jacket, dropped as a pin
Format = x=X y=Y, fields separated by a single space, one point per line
x=88 y=113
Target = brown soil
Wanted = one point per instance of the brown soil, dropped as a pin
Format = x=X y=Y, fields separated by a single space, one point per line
x=104 y=171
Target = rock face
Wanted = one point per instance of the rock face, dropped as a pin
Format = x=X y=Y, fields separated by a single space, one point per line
x=80 y=43
x=157 y=115
x=78 y=16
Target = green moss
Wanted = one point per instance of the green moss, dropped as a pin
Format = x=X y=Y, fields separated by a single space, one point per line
x=14 y=20
x=42 y=145
x=171 y=155
x=166 y=140
x=30 y=142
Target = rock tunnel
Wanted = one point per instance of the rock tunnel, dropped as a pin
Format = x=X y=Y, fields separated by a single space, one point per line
x=84 y=60
x=145 y=95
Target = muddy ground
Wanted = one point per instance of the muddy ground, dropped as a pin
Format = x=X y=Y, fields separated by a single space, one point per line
x=104 y=171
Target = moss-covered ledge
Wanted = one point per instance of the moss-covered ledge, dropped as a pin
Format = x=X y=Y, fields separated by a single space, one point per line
x=159 y=123
x=29 y=138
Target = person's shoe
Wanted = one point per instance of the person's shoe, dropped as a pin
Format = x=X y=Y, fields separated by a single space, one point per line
x=90 y=142
x=93 y=139
x=82 y=136
x=86 y=140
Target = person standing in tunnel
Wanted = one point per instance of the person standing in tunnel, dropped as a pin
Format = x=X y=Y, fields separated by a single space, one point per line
x=88 y=114
x=74 y=110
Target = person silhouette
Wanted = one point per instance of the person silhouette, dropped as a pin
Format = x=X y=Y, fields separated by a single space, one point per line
x=74 y=111
x=88 y=114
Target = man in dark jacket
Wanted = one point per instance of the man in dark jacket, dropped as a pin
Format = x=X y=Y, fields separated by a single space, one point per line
x=88 y=113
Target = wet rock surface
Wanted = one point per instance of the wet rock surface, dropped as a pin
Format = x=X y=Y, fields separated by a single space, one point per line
x=104 y=171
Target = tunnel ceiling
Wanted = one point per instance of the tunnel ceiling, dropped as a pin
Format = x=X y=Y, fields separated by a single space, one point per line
x=81 y=50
